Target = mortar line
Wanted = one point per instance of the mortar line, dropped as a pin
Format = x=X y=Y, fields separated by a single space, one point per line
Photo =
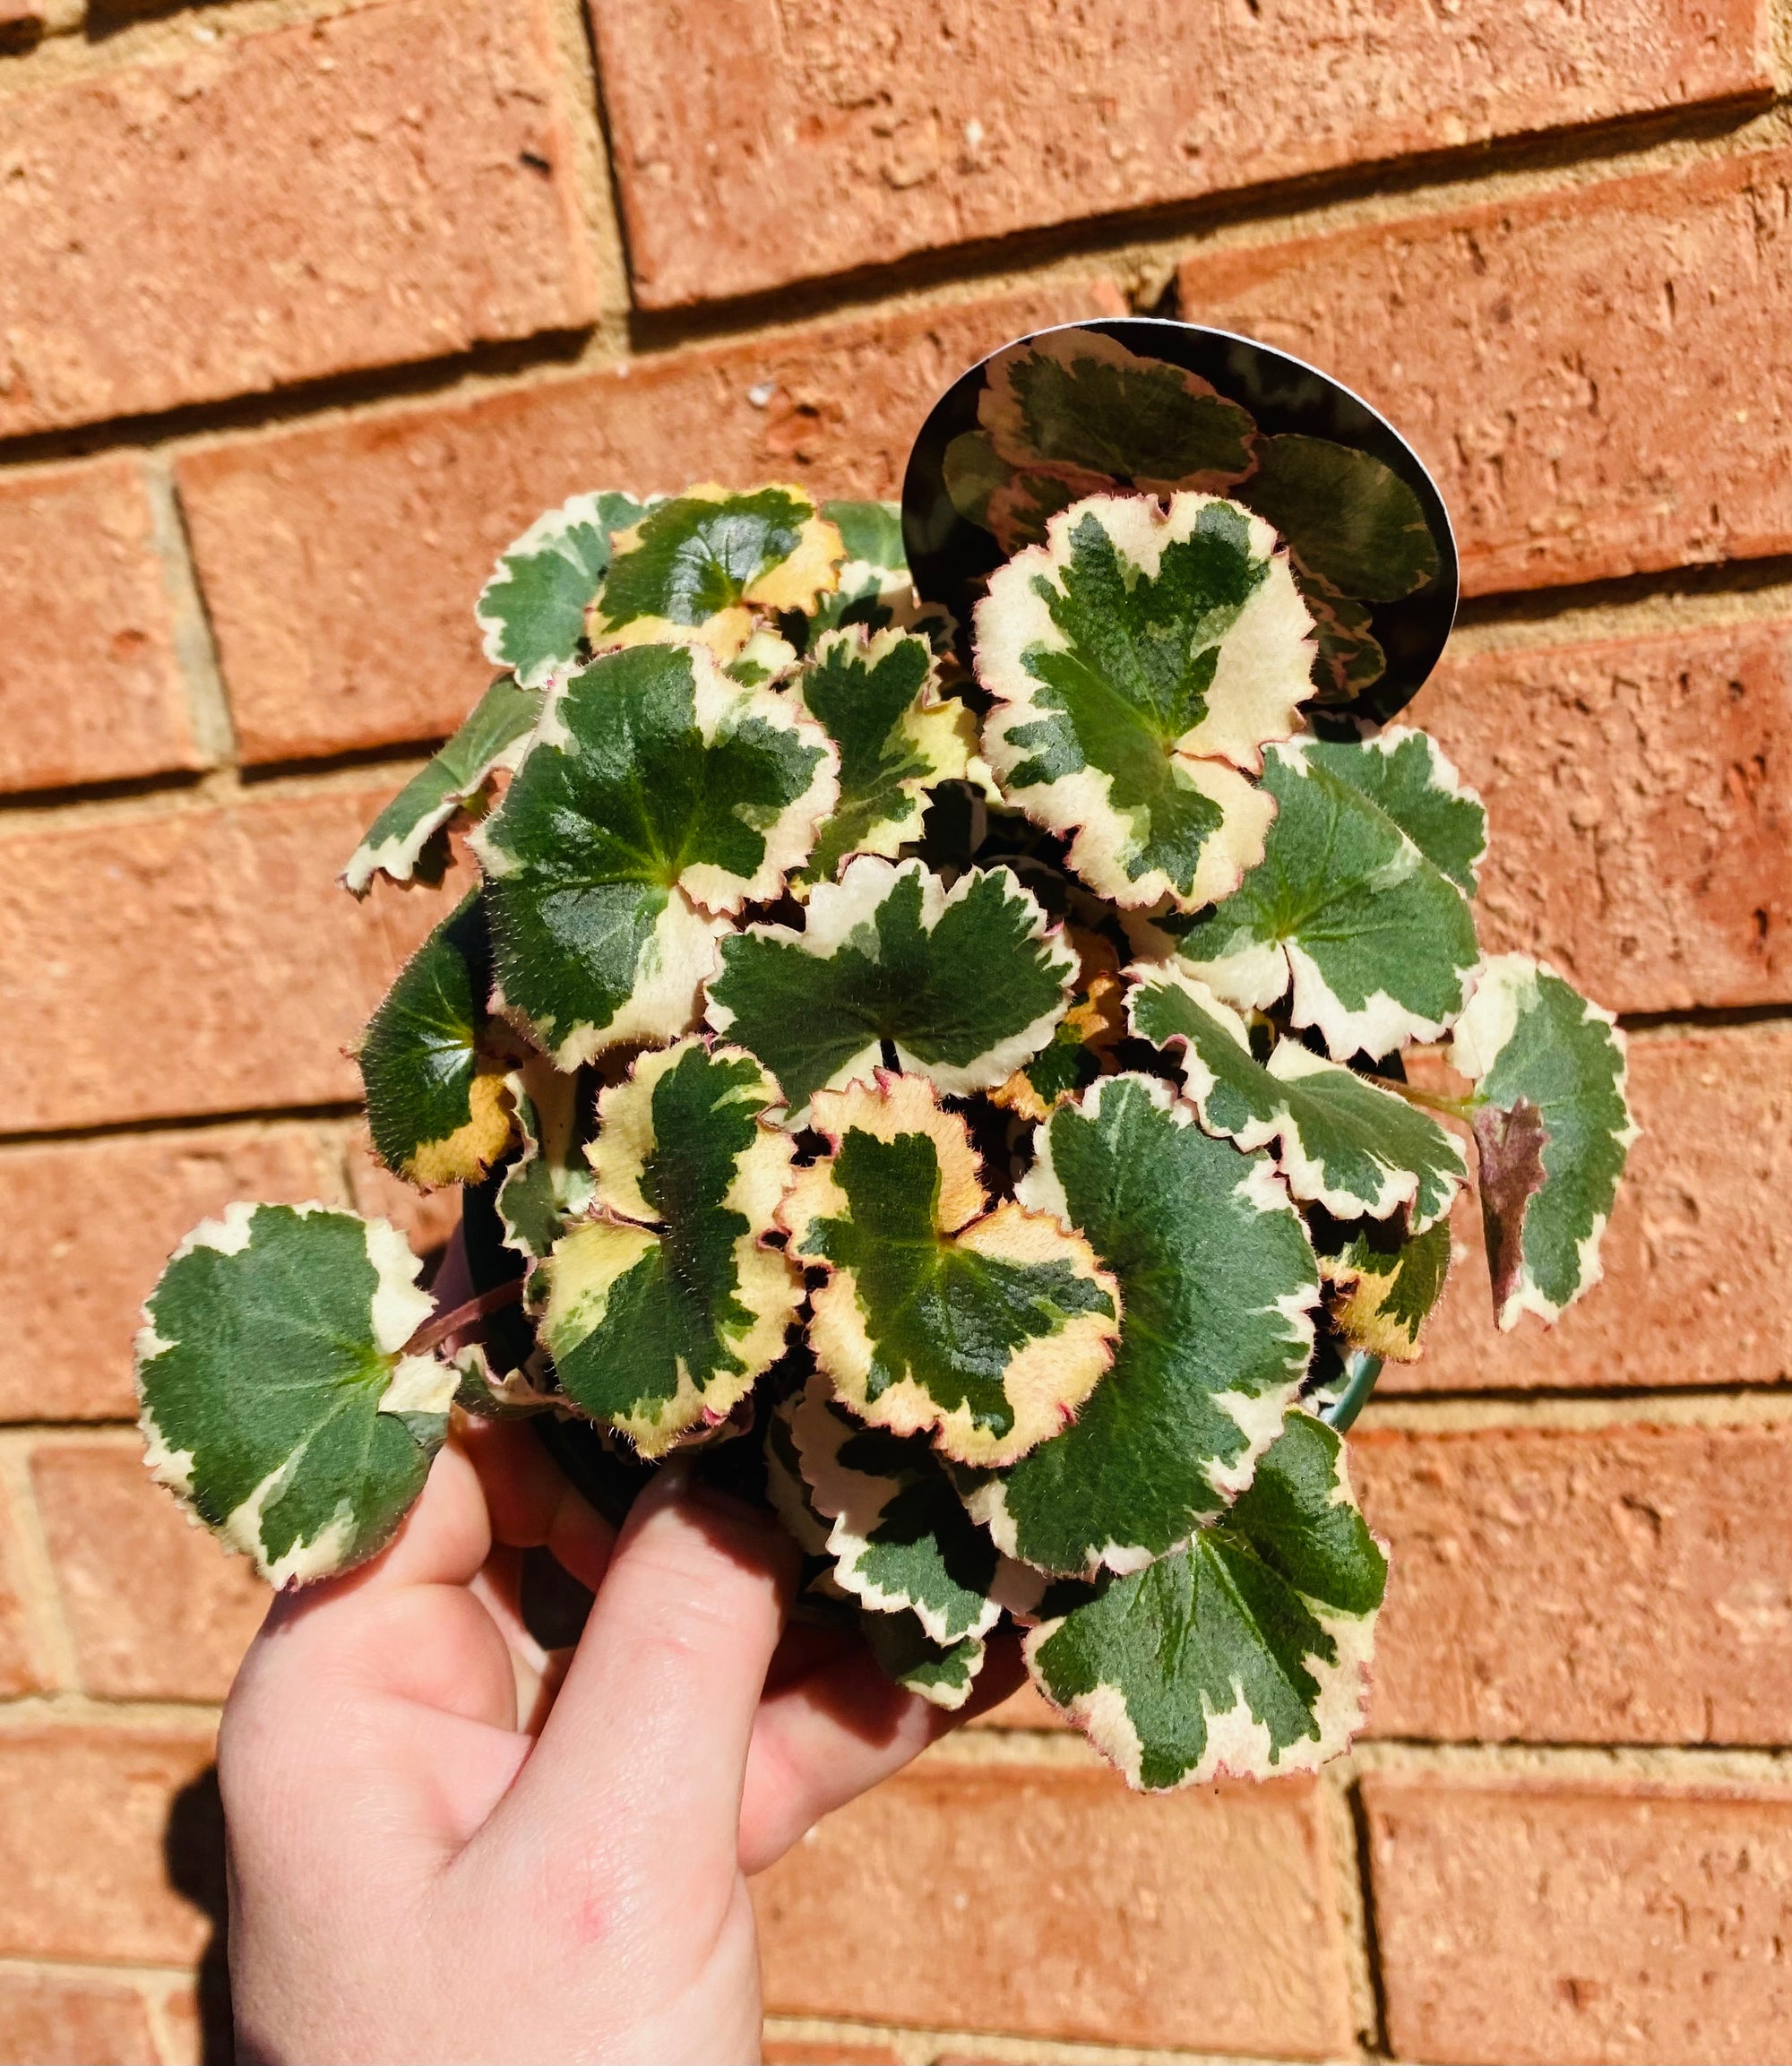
x=46 y=1612
x=1354 y=1912
x=185 y=1122
x=196 y=641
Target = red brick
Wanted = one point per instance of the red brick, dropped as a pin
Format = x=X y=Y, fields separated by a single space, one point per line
x=1616 y=1585
x=21 y=1667
x=1698 y=1283
x=1640 y=801
x=854 y=2050
x=74 y=2017
x=84 y=1228
x=757 y=145
x=192 y=960
x=314 y=200
x=1549 y=1920
x=341 y=561
x=157 y=1608
x=1049 y=1902
x=99 y=1826
x=90 y=688
x=1598 y=375
x=427 y=1219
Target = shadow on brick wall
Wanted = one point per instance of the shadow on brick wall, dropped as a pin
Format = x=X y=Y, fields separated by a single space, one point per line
x=193 y=1849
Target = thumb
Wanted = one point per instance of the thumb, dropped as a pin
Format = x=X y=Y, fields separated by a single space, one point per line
x=650 y=1733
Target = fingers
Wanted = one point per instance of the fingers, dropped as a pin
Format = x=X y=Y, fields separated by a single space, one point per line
x=824 y=1740
x=654 y=1719
x=531 y=1502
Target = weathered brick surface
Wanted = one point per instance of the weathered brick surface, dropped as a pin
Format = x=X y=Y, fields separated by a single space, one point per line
x=1698 y=1256
x=157 y=1609
x=193 y=961
x=1639 y=801
x=21 y=1668
x=68 y=2016
x=391 y=184
x=100 y=1825
x=756 y=145
x=1585 y=1585
x=1543 y=1920
x=89 y=682
x=1598 y=375
x=340 y=563
x=85 y=1226
x=427 y=1219
x=1049 y=1902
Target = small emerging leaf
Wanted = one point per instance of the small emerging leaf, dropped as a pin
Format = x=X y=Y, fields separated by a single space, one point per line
x=550 y=1183
x=965 y=984
x=1553 y=1133
x=662 y=1314
x=275 y=1397
x=1217 y=1282
x=1139 y=661
x=1339 y=1141
x=437 y=1108
x=987 y=1329
x=1078 y=1049
x=657 y=790
x=1346 y=516
x=402 y=842
x=1385 y=1287
x=1247 y=1652
x=532 y=609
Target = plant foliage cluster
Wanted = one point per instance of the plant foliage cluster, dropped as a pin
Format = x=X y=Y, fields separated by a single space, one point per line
x=965 y=1107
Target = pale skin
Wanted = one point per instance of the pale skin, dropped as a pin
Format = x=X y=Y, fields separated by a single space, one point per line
x=445 y=1844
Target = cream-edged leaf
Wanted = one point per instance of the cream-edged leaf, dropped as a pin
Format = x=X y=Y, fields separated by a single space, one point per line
x=875 y=586
x=985 y=1328
x=1553 y=1131
x=662 y=1313
x=1217 y=1282
x=1339 y=1142
x=1245 y=1653
x=532 y=609
x=1404 y=772
x=1381 y=1286
x=965 y=984
x=276 y=1397
x=942 y=1673
x=657 y=791
x=549 y=1186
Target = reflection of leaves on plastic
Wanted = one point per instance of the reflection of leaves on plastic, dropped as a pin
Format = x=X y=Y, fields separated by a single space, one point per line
x=1347 y=517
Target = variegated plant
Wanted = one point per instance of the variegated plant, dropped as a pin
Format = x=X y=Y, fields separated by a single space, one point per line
x=972 y=1110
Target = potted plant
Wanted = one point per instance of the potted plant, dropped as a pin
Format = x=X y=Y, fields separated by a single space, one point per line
x=963 y=1106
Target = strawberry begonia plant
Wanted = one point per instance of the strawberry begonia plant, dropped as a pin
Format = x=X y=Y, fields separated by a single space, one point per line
x=969 y=1105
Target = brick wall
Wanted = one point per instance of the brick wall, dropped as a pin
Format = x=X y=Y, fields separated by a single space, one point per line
x=307 y=309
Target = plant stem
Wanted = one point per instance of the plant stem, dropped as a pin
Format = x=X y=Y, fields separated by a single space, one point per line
x=434 y=1332
x=1462 y=1108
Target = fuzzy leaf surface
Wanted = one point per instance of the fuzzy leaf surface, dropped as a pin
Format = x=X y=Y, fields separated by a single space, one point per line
x=877 y=699
x=1245 y=1653
x=662 y=1314
x=987 y=1329
x=965 y=982
x=1217 y=1279
x=1551 y=1068
x=1348 y=517
x=657 y=790
x=275 y=1399
x=1385 y=1287
x=402 y=843
x=532 y=609
x=1378 y=941
x=438 y=1110
x=942 y=1673
x=1403 y=772
x=1139 y=662
x=1339 y=1142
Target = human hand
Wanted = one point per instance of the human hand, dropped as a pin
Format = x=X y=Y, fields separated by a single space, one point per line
x=435 y=1852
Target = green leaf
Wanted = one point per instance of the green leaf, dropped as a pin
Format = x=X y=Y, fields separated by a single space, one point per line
x=987 y=1329
x=942 y=1673
x=1139 y=661
x=1553 y=1135
x=877 y=699
x=402 y=842
x=550 y=1184
x=1346 y=517
x=871 y=532
x=965 y=984
x=275 y=1398
x=1217 y=1280
x=532 y=609
x=898 y=1533
x=1339 y=1142
x=701 y=565
x=1385 y=1285
x=663 y=1313
x=657 y=790
x=1378 y=941
x=1245 y=1653
x=1404 y=772
x=437 y=1103
x=1079 y=399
